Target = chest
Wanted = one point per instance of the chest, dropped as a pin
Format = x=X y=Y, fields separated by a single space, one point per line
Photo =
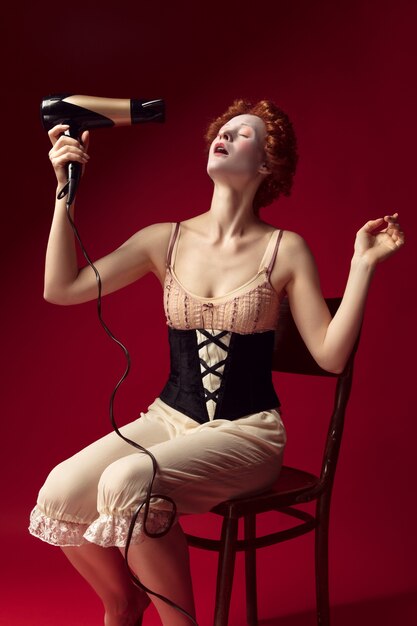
x=211 y=273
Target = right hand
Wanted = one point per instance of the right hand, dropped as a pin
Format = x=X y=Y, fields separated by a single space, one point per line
x=65 y=149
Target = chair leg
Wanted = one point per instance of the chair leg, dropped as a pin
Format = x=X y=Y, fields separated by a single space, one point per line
x=250 y=572
x=225 y=571
x=322 y=565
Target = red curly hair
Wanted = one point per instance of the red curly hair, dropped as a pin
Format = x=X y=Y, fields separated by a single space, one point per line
x=280 y=146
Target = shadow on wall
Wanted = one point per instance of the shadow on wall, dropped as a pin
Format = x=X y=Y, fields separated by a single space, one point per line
x=398 y=610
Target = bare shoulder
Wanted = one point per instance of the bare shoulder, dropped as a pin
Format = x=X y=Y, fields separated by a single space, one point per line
x=293 y=243
x=294 y=250
x=154 y=238
x=294 y=259
x=297 y=261
x=155 y=231
x=148 y=246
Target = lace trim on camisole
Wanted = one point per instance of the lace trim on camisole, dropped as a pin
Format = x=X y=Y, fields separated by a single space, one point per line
x=252 y=307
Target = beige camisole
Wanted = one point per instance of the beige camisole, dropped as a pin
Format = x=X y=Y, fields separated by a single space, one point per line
x=250 y=308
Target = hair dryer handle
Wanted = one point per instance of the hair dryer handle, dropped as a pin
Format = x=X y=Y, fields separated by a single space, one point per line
x=74 y=171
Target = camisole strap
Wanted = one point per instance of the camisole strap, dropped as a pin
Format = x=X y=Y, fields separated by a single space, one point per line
x=174 y=233
x=273 y=256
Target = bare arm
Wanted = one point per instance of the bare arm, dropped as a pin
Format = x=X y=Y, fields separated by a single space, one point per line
x=65 y=283
x=330 y=341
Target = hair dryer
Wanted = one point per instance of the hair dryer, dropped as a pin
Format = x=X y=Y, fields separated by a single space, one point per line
x=85 y=112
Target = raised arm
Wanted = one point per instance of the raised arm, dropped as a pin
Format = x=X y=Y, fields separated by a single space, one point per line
x=65 y=282
x=330 y=341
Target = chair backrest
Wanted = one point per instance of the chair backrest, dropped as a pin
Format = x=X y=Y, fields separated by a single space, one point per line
x=292 y=356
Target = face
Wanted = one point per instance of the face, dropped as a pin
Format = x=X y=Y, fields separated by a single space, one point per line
x=238 y=149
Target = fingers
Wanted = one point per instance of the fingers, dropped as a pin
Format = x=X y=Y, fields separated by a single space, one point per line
x=372 y=225
x=392 y=222
x=56 y=132
x=391 y=219
x=65 y=149
x=388 y=226
x=85 y=139
x=394 y=229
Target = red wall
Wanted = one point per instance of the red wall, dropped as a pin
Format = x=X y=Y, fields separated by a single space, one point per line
x=345 y=73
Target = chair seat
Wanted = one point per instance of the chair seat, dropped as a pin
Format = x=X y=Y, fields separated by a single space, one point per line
x=292 y=486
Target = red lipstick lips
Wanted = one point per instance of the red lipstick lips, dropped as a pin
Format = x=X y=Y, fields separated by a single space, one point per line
x=220 y=149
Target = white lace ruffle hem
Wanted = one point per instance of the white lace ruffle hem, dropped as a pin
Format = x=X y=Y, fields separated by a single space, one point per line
x=106 y=530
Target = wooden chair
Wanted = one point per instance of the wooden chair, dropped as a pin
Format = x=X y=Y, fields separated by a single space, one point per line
x=293 y=487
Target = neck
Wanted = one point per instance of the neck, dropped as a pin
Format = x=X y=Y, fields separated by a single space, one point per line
x=231 y=213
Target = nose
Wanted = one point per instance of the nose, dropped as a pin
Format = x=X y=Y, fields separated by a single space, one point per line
x=225 y=135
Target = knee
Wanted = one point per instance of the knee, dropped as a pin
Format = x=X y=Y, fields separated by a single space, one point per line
x=123 y=484
x=64 y=494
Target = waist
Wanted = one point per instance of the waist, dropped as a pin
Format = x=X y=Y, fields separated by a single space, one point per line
x=217 y=374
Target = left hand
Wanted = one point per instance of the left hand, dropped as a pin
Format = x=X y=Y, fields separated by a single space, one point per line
x=375 y=245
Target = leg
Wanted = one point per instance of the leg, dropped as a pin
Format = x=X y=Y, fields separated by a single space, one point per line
x=105 y=570
x=200 y=467
x=67 y=504
x=162 y=565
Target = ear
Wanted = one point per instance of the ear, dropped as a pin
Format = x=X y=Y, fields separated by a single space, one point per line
x=264 y=169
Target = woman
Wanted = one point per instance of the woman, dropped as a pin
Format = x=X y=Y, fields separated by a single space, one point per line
x=215 y=430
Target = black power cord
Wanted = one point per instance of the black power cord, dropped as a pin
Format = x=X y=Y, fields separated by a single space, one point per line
x=145 y=505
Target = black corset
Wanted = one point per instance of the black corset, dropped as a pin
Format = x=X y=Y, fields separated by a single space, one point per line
x=245 y=381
